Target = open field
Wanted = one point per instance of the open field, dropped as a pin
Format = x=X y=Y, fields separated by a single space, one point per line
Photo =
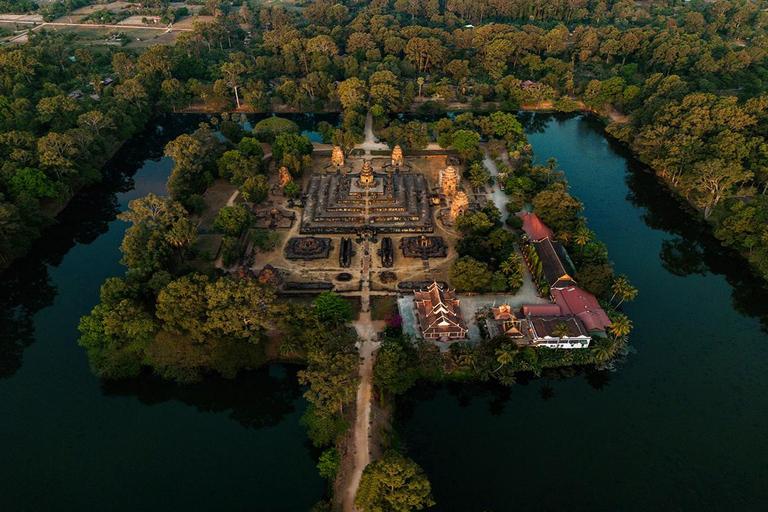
x=111 y=7
x=186 y=22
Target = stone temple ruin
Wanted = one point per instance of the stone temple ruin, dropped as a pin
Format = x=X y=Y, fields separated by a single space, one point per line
x=308 y=248
x=424 y=247
x=284 y=177
x=397 y=156
x=337 y=157
x=449 y=180
x=367 y=202
x=459 y=205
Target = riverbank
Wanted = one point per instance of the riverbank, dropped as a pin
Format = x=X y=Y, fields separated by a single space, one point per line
x=53 y=209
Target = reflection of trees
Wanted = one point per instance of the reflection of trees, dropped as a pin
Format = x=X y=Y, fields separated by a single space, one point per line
x=254 y=399
x=598 y=379
x=693 y=248
x=26 y=287
x=681 y=258
x=533 y=122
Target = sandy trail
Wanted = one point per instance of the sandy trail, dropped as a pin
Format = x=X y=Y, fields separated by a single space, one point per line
x=361 y=433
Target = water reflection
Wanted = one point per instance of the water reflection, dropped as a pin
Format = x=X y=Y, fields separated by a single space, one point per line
x=255 y=399
x=26 y=286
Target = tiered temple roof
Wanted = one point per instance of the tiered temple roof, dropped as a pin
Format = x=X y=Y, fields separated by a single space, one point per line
x=438 y=312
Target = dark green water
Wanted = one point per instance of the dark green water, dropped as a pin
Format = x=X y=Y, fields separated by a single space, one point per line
x=69 y=442
x=683 y=425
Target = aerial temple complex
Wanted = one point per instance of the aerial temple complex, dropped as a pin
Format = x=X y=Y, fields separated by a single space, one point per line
x=383 y=203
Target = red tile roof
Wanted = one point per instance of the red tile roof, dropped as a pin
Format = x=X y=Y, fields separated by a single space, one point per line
x=542 y=310
x=534 y=227
x=582 y=304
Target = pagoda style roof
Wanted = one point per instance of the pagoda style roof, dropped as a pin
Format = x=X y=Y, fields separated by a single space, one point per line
x=555 y=264
x=503 y=312
x=438 y=312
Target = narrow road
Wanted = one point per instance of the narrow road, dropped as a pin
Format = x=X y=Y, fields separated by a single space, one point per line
x=93 y=25
x=499 y=197
x=528 y=292
x=361 y=432
x=371 y=142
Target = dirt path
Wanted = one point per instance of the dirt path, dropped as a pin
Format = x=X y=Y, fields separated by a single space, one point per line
x=231 y=200
x=371 y=143
x=360 y=451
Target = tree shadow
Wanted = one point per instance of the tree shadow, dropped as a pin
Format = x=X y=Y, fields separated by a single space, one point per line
x=26 y=286
x=254 y=399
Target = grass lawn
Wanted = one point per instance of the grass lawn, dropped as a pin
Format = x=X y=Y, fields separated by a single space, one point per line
x=215 y=198
x=382 y=306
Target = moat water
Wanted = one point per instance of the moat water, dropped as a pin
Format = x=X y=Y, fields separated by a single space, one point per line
x=71 y=442
x=682 y=425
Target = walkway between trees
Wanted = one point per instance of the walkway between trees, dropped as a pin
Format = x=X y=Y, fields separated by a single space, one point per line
x=528 y=292
x=371 y=143
x=366 y=329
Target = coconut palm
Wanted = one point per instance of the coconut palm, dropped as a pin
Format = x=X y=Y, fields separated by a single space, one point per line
x=621 y=326
x=478 y=176
x=181 y=234
x=629 y=294
x=561 y=330
x=583 y=236
x=602 y=350
x=564 y=236
x=504 y=355
x=620 y=285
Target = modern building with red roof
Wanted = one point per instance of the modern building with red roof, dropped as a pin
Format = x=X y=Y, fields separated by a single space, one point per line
x=438 y=312
x=542 y=310
x=534 y=227
x=583 y=305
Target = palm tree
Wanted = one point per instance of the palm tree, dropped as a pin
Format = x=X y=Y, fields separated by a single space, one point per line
x=583 y=236
x=504 y=355
x=478 y=176
x=420 y=81
x=506 y=267
x=182 y=233
x=621 y=326
x=620 y=284
x=561 y=330
x=629 y=294
x=564 y=236
x=602 y=350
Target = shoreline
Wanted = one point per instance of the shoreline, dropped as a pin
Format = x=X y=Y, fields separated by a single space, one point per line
x=54 y=208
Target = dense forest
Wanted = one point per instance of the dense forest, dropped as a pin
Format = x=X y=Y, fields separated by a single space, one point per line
x=681 y=83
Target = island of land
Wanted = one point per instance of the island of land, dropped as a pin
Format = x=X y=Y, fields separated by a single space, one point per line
x=413 y=237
